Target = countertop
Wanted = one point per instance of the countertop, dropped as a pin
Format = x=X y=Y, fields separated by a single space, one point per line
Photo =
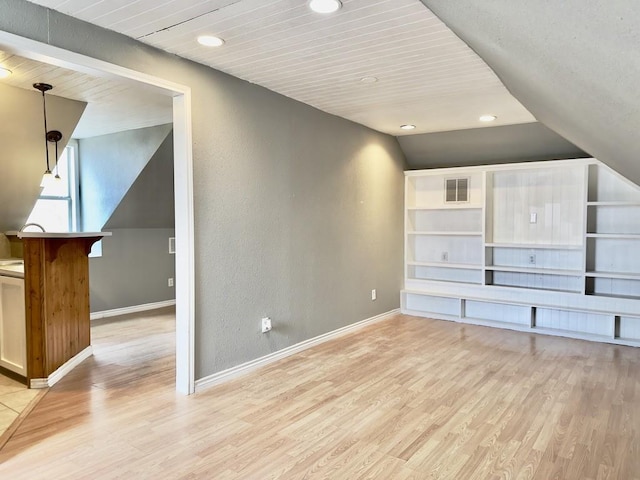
x=14 y=269
x=61 y=234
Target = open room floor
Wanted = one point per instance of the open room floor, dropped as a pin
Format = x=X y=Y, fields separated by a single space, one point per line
x=407 y=398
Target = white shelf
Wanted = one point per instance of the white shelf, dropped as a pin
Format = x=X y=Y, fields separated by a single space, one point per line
x=618 y=236
x=619 y=275
x=441 y=233
x=613 y=204
x=445 y=281
x=547 y=271
x=451 y=207
x=534 y=246
x=463 y=266
x=506 y=295
x=610 y=295
x=546 y=289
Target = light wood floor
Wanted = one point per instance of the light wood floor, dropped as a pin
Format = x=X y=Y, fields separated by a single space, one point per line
x=408 y=398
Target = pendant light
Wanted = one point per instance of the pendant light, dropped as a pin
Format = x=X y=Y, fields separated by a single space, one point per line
x=54 y=136
x=49 y=136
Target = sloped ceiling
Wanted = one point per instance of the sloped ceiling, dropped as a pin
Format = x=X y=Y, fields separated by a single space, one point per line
x=109 y=165
x=483 y=146
x=22 y=161
x=573 y=64
x=149 y=201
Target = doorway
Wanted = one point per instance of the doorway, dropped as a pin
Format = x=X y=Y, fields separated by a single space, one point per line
x=183 y=181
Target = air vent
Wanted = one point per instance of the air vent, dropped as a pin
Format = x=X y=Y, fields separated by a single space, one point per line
x=456 y=190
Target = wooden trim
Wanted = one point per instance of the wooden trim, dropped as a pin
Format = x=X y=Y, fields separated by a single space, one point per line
x=13 y=375
x=8 y=433
x=252 y=365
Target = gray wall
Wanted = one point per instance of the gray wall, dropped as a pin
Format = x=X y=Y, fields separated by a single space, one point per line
x=135 y=263
x=482 y=146
x=298 y=214
x=109 y=165
x=133 y=269
x=573 y=64
x=149 y=203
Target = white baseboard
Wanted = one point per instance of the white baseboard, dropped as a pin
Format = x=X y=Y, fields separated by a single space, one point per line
x=133 y=309
x=61 y=371
x=244 y=368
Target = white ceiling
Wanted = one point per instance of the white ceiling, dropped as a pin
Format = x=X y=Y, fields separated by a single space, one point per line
x=426 y=75
x=112 y=105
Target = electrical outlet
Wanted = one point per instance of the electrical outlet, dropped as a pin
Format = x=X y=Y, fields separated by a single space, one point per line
x=170 y=282
x=532 y=258
x=266 y=324
x=374 y=295
x=533 y=217
x=444 y=257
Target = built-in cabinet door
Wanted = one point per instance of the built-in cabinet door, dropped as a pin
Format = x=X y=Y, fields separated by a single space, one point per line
x=13 y=341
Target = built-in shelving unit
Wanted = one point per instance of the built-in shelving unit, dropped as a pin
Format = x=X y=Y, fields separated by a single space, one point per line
x=548 y=247
x=612 y=236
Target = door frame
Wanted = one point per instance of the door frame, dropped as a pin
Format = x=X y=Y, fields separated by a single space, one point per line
x=183 y=181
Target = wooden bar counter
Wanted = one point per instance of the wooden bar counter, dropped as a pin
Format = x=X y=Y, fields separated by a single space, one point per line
x=56 y=276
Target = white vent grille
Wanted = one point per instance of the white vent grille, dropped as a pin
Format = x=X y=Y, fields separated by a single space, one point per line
x=456 y=190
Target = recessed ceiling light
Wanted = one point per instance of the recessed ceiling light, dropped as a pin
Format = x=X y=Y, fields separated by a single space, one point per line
x=5 y=72
x=210 y=41
x=369 y=79
x=325 y=6
x=407 y=127
x=487 y=118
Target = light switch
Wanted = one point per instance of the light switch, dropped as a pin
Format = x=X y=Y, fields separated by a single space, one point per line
x=533 y=218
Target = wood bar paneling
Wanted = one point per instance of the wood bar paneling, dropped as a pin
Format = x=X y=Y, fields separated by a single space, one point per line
x=57 y=301
x=34 y=291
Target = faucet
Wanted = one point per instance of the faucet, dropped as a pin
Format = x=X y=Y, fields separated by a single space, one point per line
x=32 y=225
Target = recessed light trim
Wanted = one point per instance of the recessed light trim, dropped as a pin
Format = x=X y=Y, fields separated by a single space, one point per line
x=210 y=41
x=487 y=118
x=5 y=72
x=325 y=6
x=369 y=79
x=407 y=127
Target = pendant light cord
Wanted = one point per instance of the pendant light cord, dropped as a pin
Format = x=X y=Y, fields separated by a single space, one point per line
x=46 y=142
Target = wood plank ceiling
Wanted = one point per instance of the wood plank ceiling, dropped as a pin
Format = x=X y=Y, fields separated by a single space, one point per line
x=113 y=105
x=426 y=75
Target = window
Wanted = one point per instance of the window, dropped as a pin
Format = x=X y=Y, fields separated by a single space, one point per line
x=56 y=208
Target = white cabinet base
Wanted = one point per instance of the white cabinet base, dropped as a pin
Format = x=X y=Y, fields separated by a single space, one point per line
x=13 y=340
x=559 y=320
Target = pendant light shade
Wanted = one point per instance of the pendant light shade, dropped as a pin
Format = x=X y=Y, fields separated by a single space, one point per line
x=54 y=136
